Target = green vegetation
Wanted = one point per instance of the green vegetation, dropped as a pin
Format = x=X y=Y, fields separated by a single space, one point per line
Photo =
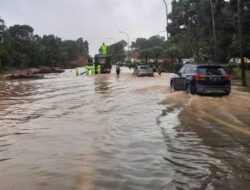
x=116 y=51
x=191 y=32
x=19 y=47
x=236 y=75
x=191 y=29
x=206 y=30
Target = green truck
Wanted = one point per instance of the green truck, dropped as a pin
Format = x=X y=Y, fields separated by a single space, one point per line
x=104 y=61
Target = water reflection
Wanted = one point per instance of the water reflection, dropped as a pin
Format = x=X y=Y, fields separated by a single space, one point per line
x=102 y=84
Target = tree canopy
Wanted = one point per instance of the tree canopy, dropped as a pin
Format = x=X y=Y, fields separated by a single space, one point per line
x=192 y=33
x=20 y=47
x=117 y=52
x=191 y=28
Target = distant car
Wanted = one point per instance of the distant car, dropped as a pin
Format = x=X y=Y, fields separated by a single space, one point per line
x=143 y=70
x=202 y=79
x=237 y=61
x=187 y=61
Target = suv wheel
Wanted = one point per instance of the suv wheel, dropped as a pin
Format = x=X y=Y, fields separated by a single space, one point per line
x=171 y=85
x=227 y=93
x=190 y=89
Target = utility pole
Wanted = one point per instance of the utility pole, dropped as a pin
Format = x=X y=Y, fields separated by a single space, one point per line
x=166 y=19
x=243 y=65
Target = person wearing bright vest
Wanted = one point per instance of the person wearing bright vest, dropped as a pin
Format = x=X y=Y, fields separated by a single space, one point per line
x=93 y=70
x=77 y=71
x=86 y=70
x=104 y=49
x=99 y=69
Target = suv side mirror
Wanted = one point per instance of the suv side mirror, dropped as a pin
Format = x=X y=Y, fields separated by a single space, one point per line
x=178 y=73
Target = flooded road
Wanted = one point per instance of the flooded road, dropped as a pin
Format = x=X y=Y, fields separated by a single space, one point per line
x=103 y=132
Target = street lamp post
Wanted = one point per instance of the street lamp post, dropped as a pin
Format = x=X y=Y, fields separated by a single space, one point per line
x=122 y=32
x=166 y=18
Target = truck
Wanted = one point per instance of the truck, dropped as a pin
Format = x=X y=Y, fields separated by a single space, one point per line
x=104 y=61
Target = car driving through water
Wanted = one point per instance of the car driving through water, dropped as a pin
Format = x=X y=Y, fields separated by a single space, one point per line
x=143 y=70
x=202 y=79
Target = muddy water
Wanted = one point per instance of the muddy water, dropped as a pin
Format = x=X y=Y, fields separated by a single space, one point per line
x=104 y=132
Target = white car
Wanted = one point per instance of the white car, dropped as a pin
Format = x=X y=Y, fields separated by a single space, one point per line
x=143 y=70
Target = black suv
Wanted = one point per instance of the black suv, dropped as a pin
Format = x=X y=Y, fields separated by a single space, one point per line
x=202 y=79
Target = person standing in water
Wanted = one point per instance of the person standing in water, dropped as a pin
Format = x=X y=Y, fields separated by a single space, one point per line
x=87 y=70
x=118 y=70
x=93 y=70
x=99 y=69
x=77 y=71
x=159 y=70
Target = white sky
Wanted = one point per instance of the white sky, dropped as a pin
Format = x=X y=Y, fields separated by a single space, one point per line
x=94 y=20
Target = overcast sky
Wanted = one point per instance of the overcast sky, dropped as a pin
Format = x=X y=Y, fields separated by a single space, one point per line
x=94 y=20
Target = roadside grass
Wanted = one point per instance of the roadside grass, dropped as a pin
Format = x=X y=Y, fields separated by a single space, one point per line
x=236 y=80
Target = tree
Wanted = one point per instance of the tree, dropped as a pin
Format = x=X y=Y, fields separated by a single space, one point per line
x=172 y=52
x=156 y=41
x=143 y=43
x=146 y=54
x=83 y=46
x=21 y=48
x=2 y=52
x=117 y=52
x=19 y=40
x=214 y=30
x=2 y=28
x=140 y=43
x=157 y=52
x=243 y=66
x=240 y=46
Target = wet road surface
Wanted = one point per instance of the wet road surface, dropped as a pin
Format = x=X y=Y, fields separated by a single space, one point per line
x=103 y=132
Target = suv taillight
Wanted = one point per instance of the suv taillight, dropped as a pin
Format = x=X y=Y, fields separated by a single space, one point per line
x=199 y=77
x=227 y=77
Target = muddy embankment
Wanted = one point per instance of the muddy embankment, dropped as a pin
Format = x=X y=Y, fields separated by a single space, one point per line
x=29 y=73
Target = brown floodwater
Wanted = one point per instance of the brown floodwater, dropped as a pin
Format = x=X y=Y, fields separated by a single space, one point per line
x=102 y=132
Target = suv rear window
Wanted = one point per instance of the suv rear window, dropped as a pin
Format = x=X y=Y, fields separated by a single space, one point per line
x=211 y=71
x=190 y=69
x=145 y=67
